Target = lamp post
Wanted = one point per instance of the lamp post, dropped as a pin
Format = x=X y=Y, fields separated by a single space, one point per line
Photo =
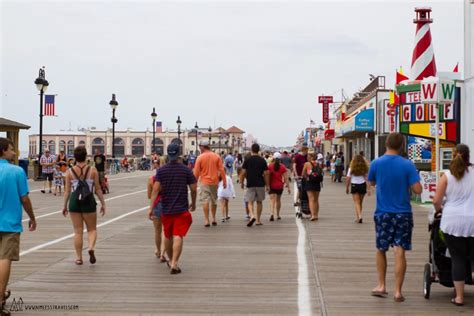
x=233 y=144
x=220 y=136
x=153 y=117
x=238 y=144
x=42 y=85
x=209 y=130
x=113 y=104
x=178 y=121
x=196 y=128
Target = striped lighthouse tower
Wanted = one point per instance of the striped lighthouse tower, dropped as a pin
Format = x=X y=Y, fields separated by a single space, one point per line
x=423 y=62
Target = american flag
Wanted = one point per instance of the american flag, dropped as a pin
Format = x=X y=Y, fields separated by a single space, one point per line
x=49 y=105
x=159 y=127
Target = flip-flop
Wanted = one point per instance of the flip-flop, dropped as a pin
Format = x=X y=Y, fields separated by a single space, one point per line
x=92 y=258
x=379 y=293
x=214 y=224
x=207 y=225
x=79 y=262
x=278 y=218
x=259 y=224
x=163 y=259
x=399 y=299
x=175 y=271
x=453 y=301
x=250 y=223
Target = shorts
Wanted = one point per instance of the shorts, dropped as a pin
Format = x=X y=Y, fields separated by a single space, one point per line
x=358 y=188
x=76 y=206
x=208 y=194
x=393 y=229
x=255 y=194
x=176 y=224
x=278 y=192
x=9 y=246
x=48 y=176
x=157 y=210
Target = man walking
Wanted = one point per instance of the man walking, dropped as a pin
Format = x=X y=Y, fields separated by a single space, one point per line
x=99 y=161
x=172 y=182
x=393 y=177
x=47 y=169
x=255 y=171
x=13 y=195
x=207 y=170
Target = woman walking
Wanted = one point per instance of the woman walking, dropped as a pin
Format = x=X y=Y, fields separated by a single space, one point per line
x=457 y=221
x=356 y=179
x=224 y=195
x=81 y=182
x=155 y=215
x=312 y=177
x=278 y=179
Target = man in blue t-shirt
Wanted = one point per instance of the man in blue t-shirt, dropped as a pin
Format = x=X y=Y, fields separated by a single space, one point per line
x=393 y=177
x=13 y=195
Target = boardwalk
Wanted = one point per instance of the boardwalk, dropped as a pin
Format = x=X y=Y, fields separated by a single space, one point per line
x=318 y=268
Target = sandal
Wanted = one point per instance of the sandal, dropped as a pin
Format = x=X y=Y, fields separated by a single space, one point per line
x=175 y=271
x=207 y=225
x=163 y=259
x=79 y=262
x=453 y=301
x=250 y=223
x=92 y=258
x=278 y=218
x=379 y=293
x=214 y=224
x=399 y=299
x=271 y=218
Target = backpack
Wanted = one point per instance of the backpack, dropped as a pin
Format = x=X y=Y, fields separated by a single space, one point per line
x=316 y=175
x=228 y=164
x=82 y=193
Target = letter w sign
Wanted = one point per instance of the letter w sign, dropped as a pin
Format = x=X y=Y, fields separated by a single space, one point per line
x=436 y=90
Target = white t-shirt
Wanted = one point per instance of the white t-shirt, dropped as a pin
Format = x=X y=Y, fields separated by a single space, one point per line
x=228 y=192
x=355 y=179
x=458 y=211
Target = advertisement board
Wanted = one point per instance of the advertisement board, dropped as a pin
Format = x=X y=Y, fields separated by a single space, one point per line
x=428 y=183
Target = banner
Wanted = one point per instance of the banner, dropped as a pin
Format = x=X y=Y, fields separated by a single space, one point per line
x=428 y=183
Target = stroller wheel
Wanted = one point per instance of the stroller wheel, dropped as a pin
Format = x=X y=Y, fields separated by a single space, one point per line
x=427 y=281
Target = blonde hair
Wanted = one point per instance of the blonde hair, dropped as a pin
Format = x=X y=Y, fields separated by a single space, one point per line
x=359 y=166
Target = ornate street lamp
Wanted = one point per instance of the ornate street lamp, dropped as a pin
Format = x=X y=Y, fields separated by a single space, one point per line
x=153 y=117
x=42 y=85
x=178 y=122
x=113 y=104
x=209 y=130
x=196 y=128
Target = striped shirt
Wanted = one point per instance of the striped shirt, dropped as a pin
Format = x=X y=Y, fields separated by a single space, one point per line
x=174 y=179
x=50 y=159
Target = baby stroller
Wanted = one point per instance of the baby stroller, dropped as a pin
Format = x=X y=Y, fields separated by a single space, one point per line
x=144 y=164
x=301 y=199
x=438 y=269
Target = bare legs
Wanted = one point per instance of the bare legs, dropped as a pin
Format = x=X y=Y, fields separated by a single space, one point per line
x=5 y=268
x=174 y=247
x=400 y=269
x=313 y=199
x=159 y=240
x=358 y=199
x=259 y=211
x=225 y=209
x=78 y=220
x=275 y=205
x=205 y=207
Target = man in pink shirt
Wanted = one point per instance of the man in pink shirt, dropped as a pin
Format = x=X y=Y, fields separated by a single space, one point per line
x=207 y=169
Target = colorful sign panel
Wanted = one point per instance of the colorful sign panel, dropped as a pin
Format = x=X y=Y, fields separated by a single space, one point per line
x=325 y=100
x=436 y=90
x=419 y=149
x=417 y=118
x=390 y=118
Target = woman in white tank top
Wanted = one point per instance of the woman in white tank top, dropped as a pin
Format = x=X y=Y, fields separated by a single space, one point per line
x=457 y=221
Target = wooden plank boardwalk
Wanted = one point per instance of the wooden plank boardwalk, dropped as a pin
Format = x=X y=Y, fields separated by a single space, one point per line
x=227 y=270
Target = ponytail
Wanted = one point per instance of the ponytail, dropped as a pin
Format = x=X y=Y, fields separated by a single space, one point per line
x=276 y=166
x=460 y=164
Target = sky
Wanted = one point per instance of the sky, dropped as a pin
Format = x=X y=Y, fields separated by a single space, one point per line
x=259 y=65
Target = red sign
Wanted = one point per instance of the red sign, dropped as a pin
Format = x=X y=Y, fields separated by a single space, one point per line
x=325 y=100
x=325 y=112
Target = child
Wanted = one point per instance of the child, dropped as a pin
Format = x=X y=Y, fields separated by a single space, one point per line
x=224 y=195
x=58 y=180
x=333 y=170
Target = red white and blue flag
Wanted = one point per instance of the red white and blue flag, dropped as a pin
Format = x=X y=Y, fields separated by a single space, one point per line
x=49 y=106
x=159 y=127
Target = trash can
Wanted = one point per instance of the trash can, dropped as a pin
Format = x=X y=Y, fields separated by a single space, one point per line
x=23 y=164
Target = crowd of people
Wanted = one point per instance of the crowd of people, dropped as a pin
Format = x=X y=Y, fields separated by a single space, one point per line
x=394 y=178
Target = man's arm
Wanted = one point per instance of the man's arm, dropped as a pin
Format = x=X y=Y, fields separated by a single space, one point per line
x=417 y=188
x=193 y=188
x=26 y=202
x=266 y=177
x=221 y=169
x=243 y=174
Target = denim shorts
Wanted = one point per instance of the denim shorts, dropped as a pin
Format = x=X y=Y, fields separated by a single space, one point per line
x=157 y=210
x=393 y=229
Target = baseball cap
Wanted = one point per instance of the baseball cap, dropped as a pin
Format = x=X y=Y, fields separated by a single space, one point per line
x=204 y=143
x=305 y=145
x=277 y=155
x=173 y=151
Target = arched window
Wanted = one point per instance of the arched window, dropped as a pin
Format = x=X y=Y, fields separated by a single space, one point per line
x=82 y=143
x=52 y=147
x=119 y=145
x=62 y=146
x=98 y=144
x=138 y=147
x=159 y=146
x=70 y=148
x=44 y=146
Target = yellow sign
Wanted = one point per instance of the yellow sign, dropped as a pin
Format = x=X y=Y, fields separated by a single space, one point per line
x=427 y=130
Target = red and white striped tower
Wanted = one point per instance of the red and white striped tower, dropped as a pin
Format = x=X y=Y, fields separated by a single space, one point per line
x=423 y=62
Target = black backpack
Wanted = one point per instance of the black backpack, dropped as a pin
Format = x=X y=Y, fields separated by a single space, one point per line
x=82 y=194
x=316 y=175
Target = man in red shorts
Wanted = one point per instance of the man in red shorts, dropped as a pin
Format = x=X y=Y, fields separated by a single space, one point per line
x=172 y=181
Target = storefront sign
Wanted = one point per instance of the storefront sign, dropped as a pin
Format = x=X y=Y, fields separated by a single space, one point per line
x=325 y=101
x=390 y=119
x=364 y=121
x=428 y=182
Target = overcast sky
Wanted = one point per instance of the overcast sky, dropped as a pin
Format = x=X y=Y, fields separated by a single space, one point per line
x=259 y=65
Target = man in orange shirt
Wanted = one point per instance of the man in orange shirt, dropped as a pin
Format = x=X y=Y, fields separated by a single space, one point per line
x=207 y=169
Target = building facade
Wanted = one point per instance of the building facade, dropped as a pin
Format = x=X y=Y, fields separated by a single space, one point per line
x=137 y=143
